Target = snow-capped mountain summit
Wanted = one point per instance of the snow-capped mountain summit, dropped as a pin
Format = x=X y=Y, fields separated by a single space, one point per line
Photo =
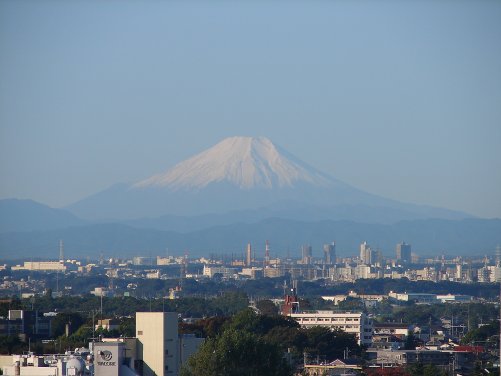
x=245 y=162
x=247 y=175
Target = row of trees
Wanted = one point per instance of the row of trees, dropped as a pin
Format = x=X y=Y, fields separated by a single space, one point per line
x=224 y=304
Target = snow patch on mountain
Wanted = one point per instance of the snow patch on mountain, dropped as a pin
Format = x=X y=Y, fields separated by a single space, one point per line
x=245 y=162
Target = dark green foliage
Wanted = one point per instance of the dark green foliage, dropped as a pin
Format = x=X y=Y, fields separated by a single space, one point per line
x=247 y=320
x=10 y=345
x=351 y=304
x=410 y=342
x=7 y=304
x=127 y=327
x=321 y=341
x=267 y=307
x=276 y=333
x=73 y=320
x=206 y=328
x=237 y=353
x=470 y=314
x=224 y=304
x=420 y=369
x=482 y=334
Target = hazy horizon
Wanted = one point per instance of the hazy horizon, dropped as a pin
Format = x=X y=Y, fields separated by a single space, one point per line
x=397 y=99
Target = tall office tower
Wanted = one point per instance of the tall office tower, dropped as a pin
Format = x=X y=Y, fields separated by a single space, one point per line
x=61 y=250
x=330 y=253
x=377 y=257
x=248 y=255
x=404 y=252
x=267 y=254
x=365 y=254
x=159 y=349
x=498 y=256
x=157 y=343
x=306 y=253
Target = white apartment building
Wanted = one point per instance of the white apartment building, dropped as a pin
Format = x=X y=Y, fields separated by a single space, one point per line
x=56 y=266
x=489 y=274
x=210 y=271
x=345 y=274
x=413 y=296
x=358 y=323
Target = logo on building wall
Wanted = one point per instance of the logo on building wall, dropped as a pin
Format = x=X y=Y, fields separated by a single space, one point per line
x=106 y=355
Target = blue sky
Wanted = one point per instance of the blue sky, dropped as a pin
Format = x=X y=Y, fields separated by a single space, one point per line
x=399 y=98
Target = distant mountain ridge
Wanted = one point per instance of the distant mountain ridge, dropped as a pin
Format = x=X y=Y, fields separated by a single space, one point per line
x=468 y=237
x=28 y=215
x=245 y=174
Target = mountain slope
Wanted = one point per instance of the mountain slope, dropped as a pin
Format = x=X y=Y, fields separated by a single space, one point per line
x=28 y=215
x=244 y=162
x=242 y=174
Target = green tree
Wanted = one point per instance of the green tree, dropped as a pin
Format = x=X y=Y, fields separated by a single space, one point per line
x=419 y=369
x=74 y=320
x=237 y=353
x=10 y=345
x=481 y=334
x=206 y=328
x=322 y=341
x=267 y=307
x=411 y=341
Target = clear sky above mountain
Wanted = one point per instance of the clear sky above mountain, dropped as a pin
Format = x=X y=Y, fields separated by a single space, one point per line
x=399 y=98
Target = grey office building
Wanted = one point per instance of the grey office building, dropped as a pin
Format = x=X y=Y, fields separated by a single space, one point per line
x=330 y=253
x=404 y=252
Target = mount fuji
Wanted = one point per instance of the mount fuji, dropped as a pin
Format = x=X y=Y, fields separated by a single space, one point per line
x=243 y=178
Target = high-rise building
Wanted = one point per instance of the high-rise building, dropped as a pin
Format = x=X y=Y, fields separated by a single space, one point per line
x=159 y=349
x=267 y=254
x=330 y=253
x=157 y=341
x=61 y=251
x=403 y=251
x=306 y=254
x=248 y=255
x=365 y=254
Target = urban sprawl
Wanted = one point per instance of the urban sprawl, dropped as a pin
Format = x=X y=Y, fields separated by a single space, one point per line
x=327 y=315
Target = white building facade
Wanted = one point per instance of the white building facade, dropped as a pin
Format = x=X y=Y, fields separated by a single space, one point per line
x=358 y=324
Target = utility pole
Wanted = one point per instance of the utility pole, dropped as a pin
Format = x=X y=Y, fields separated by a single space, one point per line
x=93 y=325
